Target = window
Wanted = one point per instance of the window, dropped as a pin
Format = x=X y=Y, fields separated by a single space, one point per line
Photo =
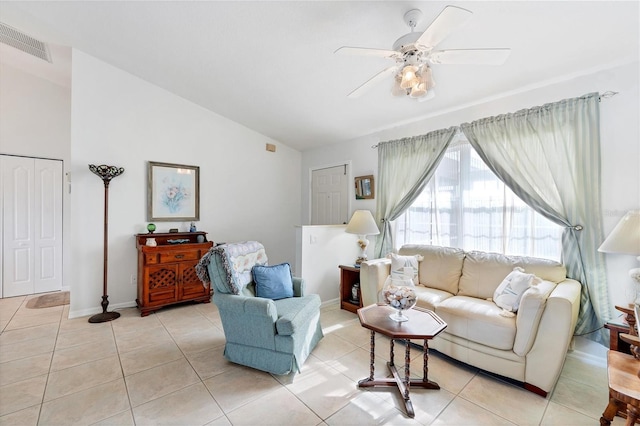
x=466 y=206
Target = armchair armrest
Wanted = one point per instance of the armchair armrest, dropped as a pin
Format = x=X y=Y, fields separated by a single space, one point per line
x=299 y=287
x=373 y=274
x=239 y=305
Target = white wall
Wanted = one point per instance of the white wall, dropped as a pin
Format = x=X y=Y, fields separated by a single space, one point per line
x=119 y=119
x=35 y=121
x=620 y=139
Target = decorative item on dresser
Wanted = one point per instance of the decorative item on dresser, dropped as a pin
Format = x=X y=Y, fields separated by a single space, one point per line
x=166 y=271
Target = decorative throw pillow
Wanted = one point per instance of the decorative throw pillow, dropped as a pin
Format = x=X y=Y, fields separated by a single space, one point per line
x=510 y=291
x=273 y=282
x=405 y=266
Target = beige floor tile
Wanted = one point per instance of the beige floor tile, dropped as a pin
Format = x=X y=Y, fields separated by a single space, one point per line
x=3 y=325
x=558 y=415
x=81 y=323
x=222 y=421
x=200 y=340
x=87 y=406
x=10 y=337
x=83 y=353
x=279 y=407
x=427 y=403
x=160 y=381
x=356 y=365
x=24 y=311
x=240 y=386
x=121 y=419
x=585 y=369
x=210 y=362
x=130 y=320
x=332 y=347
x=25 y=321
x=368 y=409
x=463 y=412
x=507 y=401
x=192 y=405
x=149 y=357
x=325 y=391
x=84 y=336
x=588 y=400
x=19 y=395
x=329 y=318
x=27 y=348
x=83 y=376
x=24 y=368
x=137 y=339
x=9 y=306
x=353 y=332
x=27 y=417
x=449 y=374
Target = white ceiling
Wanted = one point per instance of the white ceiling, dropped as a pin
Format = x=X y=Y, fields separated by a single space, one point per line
x=270 y=65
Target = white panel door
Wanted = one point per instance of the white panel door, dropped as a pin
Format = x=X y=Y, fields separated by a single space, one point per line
x=31 y=225
x=329 y=196
x=48 y=225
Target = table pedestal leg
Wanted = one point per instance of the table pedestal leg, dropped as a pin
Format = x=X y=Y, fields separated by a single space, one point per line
x=403 y=386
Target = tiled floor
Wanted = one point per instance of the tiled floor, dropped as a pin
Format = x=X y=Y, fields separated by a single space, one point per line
x=168 y=368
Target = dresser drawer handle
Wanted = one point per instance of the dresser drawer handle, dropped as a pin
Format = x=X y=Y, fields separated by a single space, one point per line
x=179 y=256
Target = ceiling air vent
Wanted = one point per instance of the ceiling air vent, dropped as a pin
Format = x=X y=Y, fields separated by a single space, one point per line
x=21 y=41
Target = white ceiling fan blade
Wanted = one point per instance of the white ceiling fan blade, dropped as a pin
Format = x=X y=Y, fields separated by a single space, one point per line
x=372 y=81
x=450 y=19
x=470 y=56
x=365 y=51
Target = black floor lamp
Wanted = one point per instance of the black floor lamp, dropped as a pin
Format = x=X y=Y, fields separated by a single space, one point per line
x=106 y=173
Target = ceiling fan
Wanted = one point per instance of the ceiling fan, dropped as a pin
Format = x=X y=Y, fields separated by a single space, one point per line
x=414 y=54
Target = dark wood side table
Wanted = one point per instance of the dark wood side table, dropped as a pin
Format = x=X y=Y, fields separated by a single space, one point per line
x=625 y=323
x=624 y=388
x=349 y=275
x=423 y=324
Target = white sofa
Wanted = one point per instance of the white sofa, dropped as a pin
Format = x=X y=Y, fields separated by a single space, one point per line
x=529 y=347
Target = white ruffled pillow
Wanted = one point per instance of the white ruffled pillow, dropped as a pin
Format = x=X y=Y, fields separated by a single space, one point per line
x=405 y=267
x=510 y=291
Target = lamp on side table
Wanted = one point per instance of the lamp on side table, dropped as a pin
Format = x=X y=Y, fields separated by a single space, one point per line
x=625 y=239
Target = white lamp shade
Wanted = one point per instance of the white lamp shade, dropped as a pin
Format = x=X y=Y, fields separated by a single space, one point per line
x=625 y=237
x=362 y=223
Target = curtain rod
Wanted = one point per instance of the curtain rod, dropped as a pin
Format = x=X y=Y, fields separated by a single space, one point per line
x=606 y=95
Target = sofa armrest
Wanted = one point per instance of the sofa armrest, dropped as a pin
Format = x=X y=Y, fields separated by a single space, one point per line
x=299 y=287
x=555 y=331
x=373 y=274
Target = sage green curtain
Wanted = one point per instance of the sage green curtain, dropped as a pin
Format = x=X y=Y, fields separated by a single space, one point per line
x=404 y=168
x=550 y=157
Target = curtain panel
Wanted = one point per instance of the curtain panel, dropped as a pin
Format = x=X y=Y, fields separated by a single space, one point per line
x=404 y=168
x=550 y=157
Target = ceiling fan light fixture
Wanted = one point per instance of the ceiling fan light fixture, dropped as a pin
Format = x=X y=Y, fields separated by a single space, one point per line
x=426 y=77
x=418 y=90
x=396 y=90
x=409 y=78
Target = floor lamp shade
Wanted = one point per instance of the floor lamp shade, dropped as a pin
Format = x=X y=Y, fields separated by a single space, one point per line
x=362 y=224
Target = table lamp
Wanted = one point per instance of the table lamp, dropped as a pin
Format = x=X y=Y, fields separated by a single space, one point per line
x=625 y=239
x=362 y=224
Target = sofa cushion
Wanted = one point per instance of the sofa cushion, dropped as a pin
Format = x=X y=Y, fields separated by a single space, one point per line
x=273 y=282
x=482 y=272
x=532 y=305
x=296 y=313
x=440 y=268
x=477 y=320
x=511 y=289
x=405 y=266
x=429 y=298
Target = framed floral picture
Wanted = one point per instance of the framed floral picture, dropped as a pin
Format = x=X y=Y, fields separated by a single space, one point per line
x=173 y=192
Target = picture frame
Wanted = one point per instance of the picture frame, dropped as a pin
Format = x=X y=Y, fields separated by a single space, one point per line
x=173 y=192
x=364 y=187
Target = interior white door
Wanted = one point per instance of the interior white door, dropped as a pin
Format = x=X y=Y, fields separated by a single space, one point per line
x=330 y=196
x=31 y=225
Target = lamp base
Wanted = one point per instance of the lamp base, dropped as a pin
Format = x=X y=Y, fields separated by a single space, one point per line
x=104 y=317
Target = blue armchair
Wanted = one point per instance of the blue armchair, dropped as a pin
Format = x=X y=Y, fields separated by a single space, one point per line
x=275 y=336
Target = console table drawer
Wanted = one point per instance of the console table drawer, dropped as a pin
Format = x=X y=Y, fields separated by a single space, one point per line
x=179 y=256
